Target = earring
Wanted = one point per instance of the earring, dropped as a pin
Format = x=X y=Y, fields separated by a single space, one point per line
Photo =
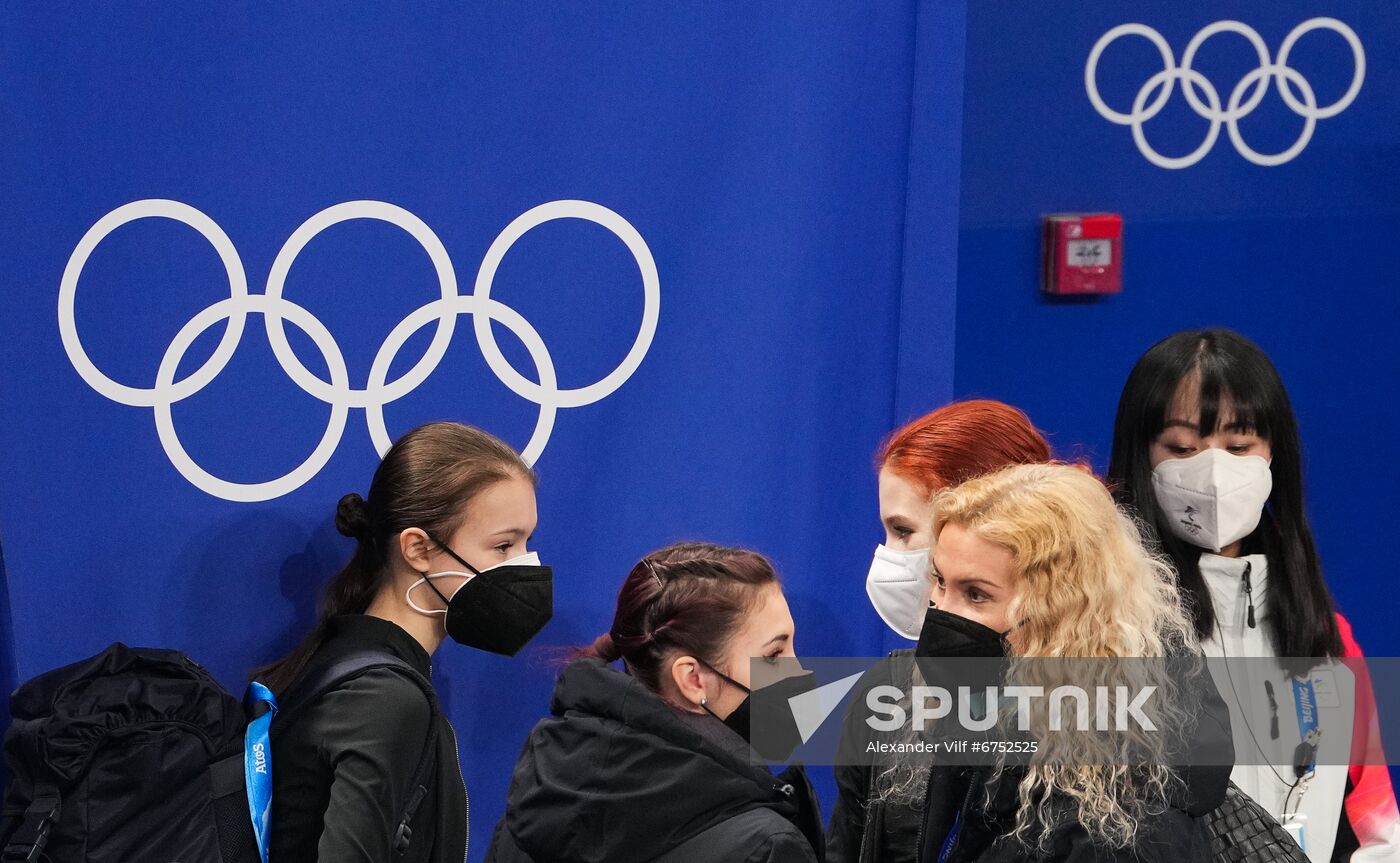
x=704 y=700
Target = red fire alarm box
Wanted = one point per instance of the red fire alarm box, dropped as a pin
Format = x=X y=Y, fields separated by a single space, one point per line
x=1083 y=254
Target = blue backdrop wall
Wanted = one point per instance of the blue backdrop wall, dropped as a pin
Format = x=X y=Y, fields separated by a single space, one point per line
x=840 y=204
x=760 y=159
x=1299 y=256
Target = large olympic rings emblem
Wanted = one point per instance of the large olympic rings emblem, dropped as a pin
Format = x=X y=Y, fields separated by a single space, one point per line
x=1194 y=84
x=337 y=392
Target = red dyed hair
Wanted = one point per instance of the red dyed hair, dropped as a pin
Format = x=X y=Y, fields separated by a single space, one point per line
x=960 y=441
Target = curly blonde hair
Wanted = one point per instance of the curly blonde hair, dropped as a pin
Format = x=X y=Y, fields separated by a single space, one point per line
x=1085 y=587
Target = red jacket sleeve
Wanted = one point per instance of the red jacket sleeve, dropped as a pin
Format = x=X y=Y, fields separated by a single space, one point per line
x=1370 y=806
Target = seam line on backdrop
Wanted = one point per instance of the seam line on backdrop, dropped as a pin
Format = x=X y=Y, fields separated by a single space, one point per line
x=953 y=18
x=900 y=275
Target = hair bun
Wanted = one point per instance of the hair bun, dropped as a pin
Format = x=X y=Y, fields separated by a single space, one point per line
x=606 y=648
x=352 y=516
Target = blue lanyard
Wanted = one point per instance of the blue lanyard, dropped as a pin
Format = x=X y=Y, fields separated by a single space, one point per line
x=257 y=760
x=950 y=840
x=1305 y=702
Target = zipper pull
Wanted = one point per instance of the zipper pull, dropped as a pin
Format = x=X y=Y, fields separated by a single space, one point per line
x=1249 y=593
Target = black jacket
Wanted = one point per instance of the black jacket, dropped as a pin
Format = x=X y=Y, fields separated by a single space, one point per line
x=863 y=828
x=342 y=771
x=984 y=808
x=615 y=774
x=1179 y=835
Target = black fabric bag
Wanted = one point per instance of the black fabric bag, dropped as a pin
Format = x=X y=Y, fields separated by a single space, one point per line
x=135 y=754
x=1241 y=831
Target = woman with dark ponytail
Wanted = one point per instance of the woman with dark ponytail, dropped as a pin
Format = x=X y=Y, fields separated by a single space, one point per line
x=365 y=767
x=657 y=761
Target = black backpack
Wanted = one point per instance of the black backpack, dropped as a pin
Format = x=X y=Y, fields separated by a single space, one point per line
x=132 y=755
x=137 y=754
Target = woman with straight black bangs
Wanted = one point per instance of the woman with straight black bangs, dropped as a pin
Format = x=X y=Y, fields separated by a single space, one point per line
x=1206 y=451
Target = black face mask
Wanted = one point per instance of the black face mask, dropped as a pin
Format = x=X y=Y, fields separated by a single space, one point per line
x=780 y=736
x=948 y=635
x=501 y=609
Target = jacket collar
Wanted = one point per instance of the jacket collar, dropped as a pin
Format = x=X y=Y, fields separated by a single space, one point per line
x=364 y=631
x=1224 y=577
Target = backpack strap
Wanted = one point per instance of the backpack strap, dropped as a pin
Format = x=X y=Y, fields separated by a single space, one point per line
x=32 y=835
x=334 y=675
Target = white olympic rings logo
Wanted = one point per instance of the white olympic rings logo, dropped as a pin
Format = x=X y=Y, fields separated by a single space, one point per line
x=337 y=392
x=1193 y=84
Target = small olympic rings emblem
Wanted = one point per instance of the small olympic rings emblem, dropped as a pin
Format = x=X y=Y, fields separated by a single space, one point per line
x=1244 y=97
x=337 y=392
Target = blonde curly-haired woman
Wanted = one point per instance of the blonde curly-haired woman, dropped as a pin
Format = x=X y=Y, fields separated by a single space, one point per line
x=1032 y=562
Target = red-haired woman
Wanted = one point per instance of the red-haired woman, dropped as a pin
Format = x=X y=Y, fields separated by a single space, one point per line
x=957 y=442
x=877 y=814
x=653 y=762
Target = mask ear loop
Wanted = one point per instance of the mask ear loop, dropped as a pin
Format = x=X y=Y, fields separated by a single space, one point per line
x=428 y=577
x=428 y=580
x=725 y=677
x=704 y=701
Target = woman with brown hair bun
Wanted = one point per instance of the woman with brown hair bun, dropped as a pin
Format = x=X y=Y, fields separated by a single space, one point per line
x=365 y=767
x=653 y=761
